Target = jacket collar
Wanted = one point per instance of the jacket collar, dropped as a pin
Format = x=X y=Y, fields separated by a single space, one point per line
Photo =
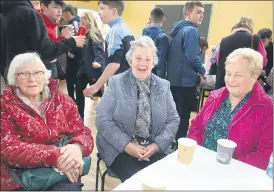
x=48 y=22
x=241 y=29
x=133 y=81
x=257 y=97
x=116 y=20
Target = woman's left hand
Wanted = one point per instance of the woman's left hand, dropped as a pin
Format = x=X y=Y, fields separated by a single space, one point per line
x=70 y=156
x=151 y=150
x=73 y=174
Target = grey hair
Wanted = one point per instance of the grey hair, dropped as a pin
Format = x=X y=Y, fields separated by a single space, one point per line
x=143 y=41
x=21 y=59
x=254 y=58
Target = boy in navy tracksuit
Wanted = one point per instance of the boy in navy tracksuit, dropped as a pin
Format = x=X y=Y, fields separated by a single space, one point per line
x=156 y=33
x=74 y=55
x=117 y=43
x=184 y=63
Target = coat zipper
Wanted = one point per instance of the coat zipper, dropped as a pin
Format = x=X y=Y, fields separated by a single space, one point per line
x=230 y=127
x=207 y=120
x=45 y=120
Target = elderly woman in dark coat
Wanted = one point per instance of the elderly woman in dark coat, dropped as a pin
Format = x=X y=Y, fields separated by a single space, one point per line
x=136 y=118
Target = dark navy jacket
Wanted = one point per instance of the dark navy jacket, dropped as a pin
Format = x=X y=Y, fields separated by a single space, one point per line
x=118 y=43
x=91 y=52
x=161 y=41
x=184 y=60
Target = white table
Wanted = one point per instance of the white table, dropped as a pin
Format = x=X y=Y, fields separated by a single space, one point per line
x=204 y=173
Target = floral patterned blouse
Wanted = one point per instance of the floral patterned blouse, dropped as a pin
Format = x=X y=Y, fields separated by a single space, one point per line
x=217 y=126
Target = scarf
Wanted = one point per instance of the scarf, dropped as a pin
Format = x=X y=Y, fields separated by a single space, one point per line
x=143 y=119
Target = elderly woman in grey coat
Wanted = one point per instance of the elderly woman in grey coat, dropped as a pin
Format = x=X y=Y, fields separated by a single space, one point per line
x=136 y=118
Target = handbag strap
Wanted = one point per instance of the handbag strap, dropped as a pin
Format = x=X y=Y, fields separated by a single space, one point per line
x=49 y=181
x=252 y=41
x=51 y=177
x=17 y=179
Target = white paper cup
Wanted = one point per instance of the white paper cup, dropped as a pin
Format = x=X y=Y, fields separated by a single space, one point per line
x=225 y=150
x=186 y=148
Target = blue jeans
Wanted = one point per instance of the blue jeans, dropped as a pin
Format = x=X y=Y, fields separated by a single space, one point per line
x=67 y=186
x=53 y=68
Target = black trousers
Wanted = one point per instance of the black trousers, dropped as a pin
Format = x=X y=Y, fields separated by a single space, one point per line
x=185 y=99
x=82 y=80
x=71 y=72
x=65 y=185
x=125 y=166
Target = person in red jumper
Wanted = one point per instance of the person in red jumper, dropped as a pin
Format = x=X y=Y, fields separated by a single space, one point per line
x=35 y=115
x=23 y=30
x=51 y=12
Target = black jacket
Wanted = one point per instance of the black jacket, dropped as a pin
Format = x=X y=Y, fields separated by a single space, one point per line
x=269 y=52
x=91 y=52
x=240 y=39
x=25 y=31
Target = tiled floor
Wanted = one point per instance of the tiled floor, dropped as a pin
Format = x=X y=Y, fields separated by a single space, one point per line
x=90 y=114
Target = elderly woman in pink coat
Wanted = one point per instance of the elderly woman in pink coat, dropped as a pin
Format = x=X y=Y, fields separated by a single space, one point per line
x=241 y=111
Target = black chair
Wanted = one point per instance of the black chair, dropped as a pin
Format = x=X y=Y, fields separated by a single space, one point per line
x=203 y=90
x=108 y=171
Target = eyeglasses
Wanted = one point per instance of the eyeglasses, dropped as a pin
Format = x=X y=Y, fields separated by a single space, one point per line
x=37 y=75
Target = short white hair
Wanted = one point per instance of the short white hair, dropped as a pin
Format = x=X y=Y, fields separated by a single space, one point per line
x=254 y=58
x=20 y=60
x=143 y=41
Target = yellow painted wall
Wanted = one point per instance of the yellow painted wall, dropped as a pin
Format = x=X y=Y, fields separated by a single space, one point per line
x=224 y=15
x=84 y=4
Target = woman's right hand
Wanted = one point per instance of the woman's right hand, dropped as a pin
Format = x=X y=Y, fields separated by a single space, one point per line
x=135 y=150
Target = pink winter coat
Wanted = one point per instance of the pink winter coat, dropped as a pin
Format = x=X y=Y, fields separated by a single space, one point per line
x=251 y=128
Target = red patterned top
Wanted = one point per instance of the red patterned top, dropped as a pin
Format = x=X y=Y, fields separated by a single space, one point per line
x=27 y=139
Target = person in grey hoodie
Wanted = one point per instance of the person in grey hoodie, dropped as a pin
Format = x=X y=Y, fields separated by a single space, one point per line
x=184 y=63
x=161 y=41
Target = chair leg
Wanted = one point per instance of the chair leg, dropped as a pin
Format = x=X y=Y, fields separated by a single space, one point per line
x=199 y=99
x=103 y=180
x=202 y=101
x=97 y=174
